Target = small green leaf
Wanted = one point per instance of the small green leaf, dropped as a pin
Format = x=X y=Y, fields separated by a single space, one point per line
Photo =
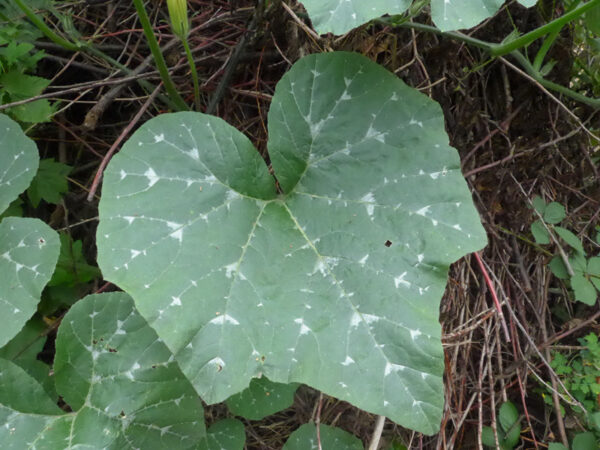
x=305 y=438
x=72 y=269
x=593 y=268
x=262 y=398
x=35 y=112
x=583 y=289
x=557 y=266
x=585 y=441
x=28 y=253
x=488 y=438
x=508 y=415
x=570 y=239
x=18 y=161
x=226 y=434
x=50 y=182
x=578 y=262
x=539 y=205
x=21 y=86
x=556 y=446
x=540 y=234
x=554 y=213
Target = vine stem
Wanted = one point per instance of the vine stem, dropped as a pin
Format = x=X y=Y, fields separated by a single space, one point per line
x=490 y=286
x=50 y=34
x=374 y=444
x=159 y=60
x=194 y=72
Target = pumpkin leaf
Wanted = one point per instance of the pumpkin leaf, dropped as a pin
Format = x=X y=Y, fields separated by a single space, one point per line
x=262 y=398
x=122 y=383
x=28 y=253
x=225 y=434
x=305 y=438
x=336 y=282
x=18 y=161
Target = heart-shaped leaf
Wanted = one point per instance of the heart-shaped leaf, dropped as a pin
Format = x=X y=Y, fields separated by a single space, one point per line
x=305 y=438
x=335 y=283
x=18 y=161
x=28 y=253
x=112 y=370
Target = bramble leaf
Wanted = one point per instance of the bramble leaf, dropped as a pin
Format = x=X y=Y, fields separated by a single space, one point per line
x=336 y=282
x=50 y=182
x=571 y=239
x=539 y=232
x=122 y=383
x=583 y=289
x=554 y=213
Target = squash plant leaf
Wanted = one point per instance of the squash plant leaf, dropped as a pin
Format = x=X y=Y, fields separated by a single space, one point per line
x=305 y=438
x=340 y=16
x=28 y=253
x=336 y=282
x=23 y=350
x=28 y=247
x=262 y=398
x=18 y=161
x=122 y=383
x=451 y=15
x=225 y=434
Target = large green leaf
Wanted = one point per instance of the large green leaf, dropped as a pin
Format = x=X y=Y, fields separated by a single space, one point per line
x=18 y=161
x=28 y=253
x=122 y=383
x=340 y=16
x=305 y=438
x=335 y=283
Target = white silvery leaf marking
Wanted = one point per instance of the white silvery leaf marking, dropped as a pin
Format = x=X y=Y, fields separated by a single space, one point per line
x=28 y=247
x=341 y=16
x=28 y=253
x=19 y=161
x=337 y=282
x=121 y=382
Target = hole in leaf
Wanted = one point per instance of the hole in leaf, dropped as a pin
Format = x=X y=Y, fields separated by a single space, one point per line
x=388 y=243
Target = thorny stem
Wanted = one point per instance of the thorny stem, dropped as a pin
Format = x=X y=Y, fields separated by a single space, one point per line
x=159 y=60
